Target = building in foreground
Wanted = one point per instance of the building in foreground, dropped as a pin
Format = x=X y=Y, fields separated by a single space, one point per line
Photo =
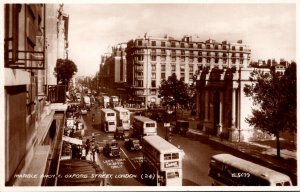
x=34 y=38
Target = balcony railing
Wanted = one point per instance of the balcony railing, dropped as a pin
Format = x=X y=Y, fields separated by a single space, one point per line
x=57 y=93
x=16 y=56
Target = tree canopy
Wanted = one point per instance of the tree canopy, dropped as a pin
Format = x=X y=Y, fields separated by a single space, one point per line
x=174 y=92
x=64 y=70
x=275 y=96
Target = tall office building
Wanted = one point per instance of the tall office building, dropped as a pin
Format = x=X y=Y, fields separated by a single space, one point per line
x=150 y=60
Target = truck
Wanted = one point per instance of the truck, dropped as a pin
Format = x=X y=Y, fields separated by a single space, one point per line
x=181 y=127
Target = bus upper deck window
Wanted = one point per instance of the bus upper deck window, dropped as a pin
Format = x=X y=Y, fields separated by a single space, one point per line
x=175 y=155
x=150 y=124
x=167 y=156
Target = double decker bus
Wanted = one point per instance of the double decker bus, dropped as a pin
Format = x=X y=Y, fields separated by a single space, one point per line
x=105 y=101
x=123 y=117
x=114 y=101
x=143 y=126
x=226 y=169
x=162 y=162
x=108 y=120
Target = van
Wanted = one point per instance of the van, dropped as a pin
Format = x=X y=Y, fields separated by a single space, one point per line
x=181 y=127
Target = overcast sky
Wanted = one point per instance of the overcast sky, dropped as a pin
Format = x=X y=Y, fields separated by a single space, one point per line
x=269 y=29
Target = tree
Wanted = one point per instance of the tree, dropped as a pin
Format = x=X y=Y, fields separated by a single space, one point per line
x=275 y=94
x=64 y=71
x=174 y=93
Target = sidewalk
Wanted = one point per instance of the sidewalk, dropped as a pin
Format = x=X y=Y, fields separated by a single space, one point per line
x=262 y=154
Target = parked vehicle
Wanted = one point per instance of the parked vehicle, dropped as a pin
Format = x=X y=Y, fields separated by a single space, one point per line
x=133 y=144
x=112 y=149
x=119 y=133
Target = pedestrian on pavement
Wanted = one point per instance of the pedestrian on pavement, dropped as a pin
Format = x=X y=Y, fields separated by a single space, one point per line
x=83 y=153
x=93 y=152
x=87 y=145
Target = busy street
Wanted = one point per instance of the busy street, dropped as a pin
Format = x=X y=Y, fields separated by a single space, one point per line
x=126 y=169
x=139 y=95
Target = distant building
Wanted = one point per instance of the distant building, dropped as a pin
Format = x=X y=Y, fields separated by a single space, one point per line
x=221 y=70
x=112 y=75
x=150 y=60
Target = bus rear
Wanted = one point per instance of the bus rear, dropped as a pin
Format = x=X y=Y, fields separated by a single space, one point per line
x=123 y=117
x=108 y=120
x=150 y=128
x=144 y=126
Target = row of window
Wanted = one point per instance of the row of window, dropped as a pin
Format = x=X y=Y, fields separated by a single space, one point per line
x=233 y=60
x=183 y=58
x=193 y=45
x=188 y=53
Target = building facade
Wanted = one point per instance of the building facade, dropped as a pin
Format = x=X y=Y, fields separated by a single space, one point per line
x=32 y=124
x=221 y=69
x=150 y=60
x=112 y=75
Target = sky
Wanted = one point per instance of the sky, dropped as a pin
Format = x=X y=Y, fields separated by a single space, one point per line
x=269 y=29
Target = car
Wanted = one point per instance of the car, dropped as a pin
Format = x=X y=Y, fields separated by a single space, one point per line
x=112 y=149
x=119 y=133
x=133 y=144
x=84 y=111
